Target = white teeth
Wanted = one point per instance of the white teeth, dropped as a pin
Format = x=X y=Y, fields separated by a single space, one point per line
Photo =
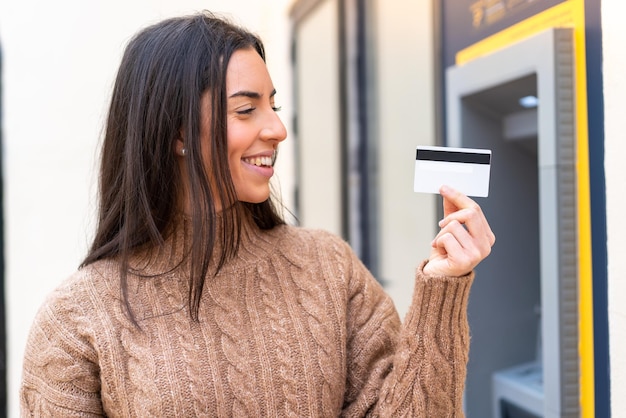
x=259 y=161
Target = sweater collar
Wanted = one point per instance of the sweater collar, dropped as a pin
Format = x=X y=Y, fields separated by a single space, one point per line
x=174 y=253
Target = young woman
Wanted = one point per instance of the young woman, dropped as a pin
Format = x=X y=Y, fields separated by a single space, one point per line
x=196 y=299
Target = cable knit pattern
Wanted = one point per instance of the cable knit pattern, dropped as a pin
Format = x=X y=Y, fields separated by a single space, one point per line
x=141 y=373
x=235 y=346
x=436 y=389
x=196 y=390
x=313 y=298
x=294 y=326
x=284 y=354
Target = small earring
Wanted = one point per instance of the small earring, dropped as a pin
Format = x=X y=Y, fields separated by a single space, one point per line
x=183 y=151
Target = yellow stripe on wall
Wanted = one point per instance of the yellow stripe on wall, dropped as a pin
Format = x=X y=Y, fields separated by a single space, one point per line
x=585 y=281
x=570 y=13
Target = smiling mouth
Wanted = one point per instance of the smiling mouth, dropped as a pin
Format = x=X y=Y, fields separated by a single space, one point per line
x=265 y=161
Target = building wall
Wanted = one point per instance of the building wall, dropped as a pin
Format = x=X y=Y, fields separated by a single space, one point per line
x=59 y=63
x=614 y=38
x=318 y=108
x=400 y=116
x=403 y=41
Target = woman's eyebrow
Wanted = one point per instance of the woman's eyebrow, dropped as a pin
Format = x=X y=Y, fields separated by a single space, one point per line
x=250 y=94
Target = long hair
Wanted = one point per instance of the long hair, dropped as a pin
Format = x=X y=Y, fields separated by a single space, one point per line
x=165 y=71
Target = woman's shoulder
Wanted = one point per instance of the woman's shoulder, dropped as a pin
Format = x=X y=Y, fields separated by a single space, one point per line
x=78 y=290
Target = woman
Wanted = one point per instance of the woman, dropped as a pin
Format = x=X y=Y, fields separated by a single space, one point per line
x=196 y=299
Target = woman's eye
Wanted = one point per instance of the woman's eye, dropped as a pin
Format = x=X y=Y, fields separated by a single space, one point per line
x=246 y=111
x=276 y=108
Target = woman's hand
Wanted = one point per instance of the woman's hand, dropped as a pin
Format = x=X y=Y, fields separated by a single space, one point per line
x=464 y=240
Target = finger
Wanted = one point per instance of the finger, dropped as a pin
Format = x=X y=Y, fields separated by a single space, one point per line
x=470 y=214
x=459 y=207
x=459 y=261
x=474 y=220
x=459 y=232
x=448 y=228
x=476 y=248
x=453 y=200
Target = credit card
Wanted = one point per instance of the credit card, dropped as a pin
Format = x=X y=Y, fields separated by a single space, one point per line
x=465 y=169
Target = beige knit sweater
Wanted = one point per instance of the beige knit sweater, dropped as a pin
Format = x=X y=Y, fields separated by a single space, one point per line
x=294 y=327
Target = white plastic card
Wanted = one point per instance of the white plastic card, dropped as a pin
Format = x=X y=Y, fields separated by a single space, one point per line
x=465 y=169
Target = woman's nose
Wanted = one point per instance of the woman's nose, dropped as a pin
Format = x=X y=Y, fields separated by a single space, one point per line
x=275 y=129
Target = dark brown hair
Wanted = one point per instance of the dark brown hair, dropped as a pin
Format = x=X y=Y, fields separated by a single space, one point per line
x=165 y=71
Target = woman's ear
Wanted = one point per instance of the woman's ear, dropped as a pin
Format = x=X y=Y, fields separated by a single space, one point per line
x=179 y=147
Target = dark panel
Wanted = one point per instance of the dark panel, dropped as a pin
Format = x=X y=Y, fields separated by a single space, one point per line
x=465 y=22
x=3 y=337
x=595 y=104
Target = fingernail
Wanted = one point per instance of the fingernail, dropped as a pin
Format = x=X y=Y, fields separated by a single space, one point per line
x=444 y=189
x=440 y=223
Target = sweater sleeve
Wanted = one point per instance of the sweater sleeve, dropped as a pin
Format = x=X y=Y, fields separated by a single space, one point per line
x=60 y=375
x=418 y=368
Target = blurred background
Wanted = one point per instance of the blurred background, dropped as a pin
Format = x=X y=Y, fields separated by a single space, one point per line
x=361 y=84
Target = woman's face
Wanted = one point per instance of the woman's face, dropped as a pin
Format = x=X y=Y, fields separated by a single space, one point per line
x=254 y=130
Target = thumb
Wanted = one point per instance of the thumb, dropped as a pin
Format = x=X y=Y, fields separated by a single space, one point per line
x=448 y=200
